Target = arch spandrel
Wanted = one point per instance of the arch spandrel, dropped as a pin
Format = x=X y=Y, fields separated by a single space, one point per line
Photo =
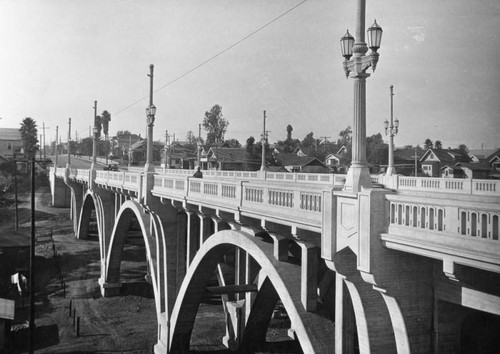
x=282 y=275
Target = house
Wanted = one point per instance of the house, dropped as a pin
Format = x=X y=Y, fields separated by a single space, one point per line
x=480 y=170
x=226 y=158
x=10 y=141
x=121 y=144
x=434 y=159
x=494 y=163
x=452 y=171
x=405 y=158
x=138 y=152
x=478 y=155
x=332 y=161
x=294 y=163
x=180 y=155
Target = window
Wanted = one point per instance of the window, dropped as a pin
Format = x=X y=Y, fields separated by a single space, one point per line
x=431 y=155
x=9 y=146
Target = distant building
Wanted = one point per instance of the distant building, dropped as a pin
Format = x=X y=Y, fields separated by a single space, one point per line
x=231 y=159
x=434 y=159
x=10 y=141
x=294 y=163
x=138 y=152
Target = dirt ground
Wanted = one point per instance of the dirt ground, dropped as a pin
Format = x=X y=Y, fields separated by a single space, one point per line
x=122 y=324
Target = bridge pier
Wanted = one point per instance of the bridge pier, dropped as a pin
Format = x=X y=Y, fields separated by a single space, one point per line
x=61 y=194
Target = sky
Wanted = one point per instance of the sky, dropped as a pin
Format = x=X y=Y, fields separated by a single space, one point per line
x=443 y=58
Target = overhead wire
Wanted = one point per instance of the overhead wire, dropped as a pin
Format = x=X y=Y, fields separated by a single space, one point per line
x=215 y=56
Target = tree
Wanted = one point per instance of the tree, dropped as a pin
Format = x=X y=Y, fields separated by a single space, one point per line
x=191 y=138
x=98 y=125
x=234 y=143
x=123 y=132
x=428 y=144
x=463 y=147
x=215 y=125
x=289 y=144
x=309 y=141
x=376 y=149
x=86 y=146
x=105 y=119
x=250 y=146
x=29 y=136
x=438 y=144
x=289 y=130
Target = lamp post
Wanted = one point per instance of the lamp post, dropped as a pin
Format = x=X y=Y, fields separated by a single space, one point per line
x=358 y=175
x=263 y=142
x=94 y=139
x=150 y=114
x=198 y=145
x=391 y=129
x=69 y=143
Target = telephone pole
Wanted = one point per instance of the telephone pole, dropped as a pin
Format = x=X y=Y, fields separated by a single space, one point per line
x=44 y=127
x=263 y=142
x=56 y=146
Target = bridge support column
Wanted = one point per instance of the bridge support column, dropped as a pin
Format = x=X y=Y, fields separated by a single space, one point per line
x=205 y=228
x=309 y=275
x=162 y=346
x=61 y=194
x=192 y=236
x=76 y=203
x=109 y=289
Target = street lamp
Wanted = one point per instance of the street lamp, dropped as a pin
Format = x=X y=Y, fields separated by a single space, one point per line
x=198 y=146
x=359 y=175
x=95 y=131
x=150 y=114
x=391 y=129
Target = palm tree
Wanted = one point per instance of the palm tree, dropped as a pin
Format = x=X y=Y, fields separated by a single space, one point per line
x=29 y=136
x=105 y=119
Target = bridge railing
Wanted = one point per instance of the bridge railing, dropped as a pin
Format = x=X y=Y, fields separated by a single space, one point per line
x=323 y=178
x=299 y=202
x=468 y=228
x=450 y=185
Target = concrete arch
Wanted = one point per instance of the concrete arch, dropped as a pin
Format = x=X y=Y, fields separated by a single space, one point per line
x=151 y=234
x=281 y=274
x=88 y=205
x=372 y=310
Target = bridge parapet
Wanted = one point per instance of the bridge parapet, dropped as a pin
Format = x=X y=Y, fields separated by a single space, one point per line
x=456 y=230
x=449 y=185
x=292 y=203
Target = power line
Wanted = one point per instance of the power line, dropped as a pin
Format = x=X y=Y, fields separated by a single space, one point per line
x=216 y=55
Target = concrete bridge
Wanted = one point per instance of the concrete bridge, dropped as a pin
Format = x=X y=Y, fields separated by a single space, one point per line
x=409 y=265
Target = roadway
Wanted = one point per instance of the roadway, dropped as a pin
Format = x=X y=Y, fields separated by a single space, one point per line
x=76 y=162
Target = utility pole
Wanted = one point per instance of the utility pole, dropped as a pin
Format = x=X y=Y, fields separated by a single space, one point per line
x=263 y=142
x=32 y=263
x=69 y=142
x=57 y=147
x=44 y=127
x=326 y=141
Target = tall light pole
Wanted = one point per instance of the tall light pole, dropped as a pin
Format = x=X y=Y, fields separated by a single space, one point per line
x=150 y=113
x=198 y=145
x=391 y=129
x=359 y=175
x=69 y=143
x=263 y=142
x=94 y=139
x=57 y=147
